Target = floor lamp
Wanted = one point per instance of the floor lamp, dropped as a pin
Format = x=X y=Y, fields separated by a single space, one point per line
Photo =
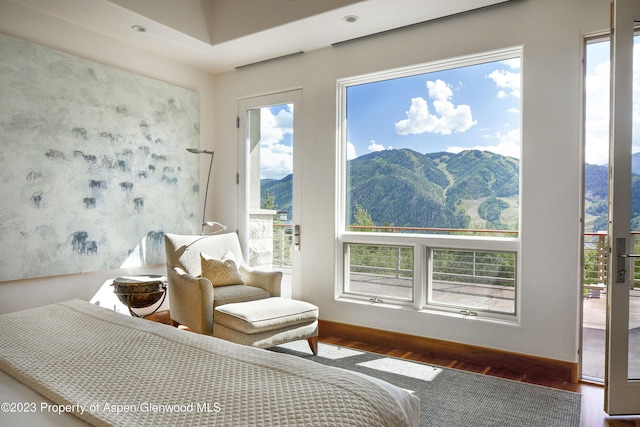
x=206 y=194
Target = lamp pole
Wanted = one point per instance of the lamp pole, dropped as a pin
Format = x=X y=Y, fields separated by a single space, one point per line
x=206 y=194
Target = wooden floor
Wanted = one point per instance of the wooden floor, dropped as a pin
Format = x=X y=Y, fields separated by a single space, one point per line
x=592 y=395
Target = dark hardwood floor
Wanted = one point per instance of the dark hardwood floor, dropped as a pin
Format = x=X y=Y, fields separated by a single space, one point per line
x=592 y=394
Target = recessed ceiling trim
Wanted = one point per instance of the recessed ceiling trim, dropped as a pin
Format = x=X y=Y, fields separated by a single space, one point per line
x=240 y=67
x=164 y=37
x=416 y=24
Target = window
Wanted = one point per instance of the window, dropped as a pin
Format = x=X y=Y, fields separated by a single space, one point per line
x=385 y=271
x=473 y=280
x=430 y=178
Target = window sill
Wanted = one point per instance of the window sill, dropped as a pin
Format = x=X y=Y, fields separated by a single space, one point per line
x=497 y=318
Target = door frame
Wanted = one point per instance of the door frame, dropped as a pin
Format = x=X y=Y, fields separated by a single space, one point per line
x=621 y=393
x=600 y=37
x=291 y=96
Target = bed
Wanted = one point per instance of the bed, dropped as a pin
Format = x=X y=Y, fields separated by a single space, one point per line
x=74 y=363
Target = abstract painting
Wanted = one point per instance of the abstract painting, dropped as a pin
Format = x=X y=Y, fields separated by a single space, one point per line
x=93 y=164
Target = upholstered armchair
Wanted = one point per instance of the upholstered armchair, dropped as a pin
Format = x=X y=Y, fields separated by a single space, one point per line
x=192 y=297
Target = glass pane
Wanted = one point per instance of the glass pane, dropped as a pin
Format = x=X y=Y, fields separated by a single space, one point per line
x=436 y=152
x=634 y=318
x=381 y=271
x=596 y=215
x=634 y=291
x=474 y=280
x=270 y=138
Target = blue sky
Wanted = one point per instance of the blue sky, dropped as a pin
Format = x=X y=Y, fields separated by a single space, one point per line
x=473 y=107
x=597 y=102
x=469 y=107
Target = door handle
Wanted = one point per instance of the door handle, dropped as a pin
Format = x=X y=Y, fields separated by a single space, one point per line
x=296 y=237
x=621 y=263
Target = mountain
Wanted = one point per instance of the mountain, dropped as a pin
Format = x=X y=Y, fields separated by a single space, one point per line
x=443 y=190
x=470 y=189
x=281 y=190
x=398 y=187
x=635 y=163
x=596 y=185
x=596 y=190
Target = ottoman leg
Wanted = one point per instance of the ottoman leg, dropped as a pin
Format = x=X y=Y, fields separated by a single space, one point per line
x=313 y=345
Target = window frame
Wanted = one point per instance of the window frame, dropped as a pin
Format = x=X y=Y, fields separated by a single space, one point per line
x=377 y=298
x=422 y=243
x=472 y=311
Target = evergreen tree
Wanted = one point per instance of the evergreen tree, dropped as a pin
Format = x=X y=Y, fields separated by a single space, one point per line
x=269 y=201
x=362 y=218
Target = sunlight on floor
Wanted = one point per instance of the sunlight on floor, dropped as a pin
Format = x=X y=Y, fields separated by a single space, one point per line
x=403 y=367
x=327 y=351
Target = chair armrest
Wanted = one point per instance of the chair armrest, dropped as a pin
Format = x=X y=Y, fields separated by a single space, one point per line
x=190 y=300
x=268 y=280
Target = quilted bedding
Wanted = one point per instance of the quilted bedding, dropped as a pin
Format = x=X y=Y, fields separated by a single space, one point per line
x=111 y=369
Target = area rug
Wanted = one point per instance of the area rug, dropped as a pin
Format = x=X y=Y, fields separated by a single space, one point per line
x=452 y=398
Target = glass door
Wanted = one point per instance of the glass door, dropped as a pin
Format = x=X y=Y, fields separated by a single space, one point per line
x=596 y=215
x=269 y=223
x=622 y=372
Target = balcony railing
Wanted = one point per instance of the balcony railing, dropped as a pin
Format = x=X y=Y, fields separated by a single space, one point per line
x=595 y=249
x=282 y=243
x=596 y=256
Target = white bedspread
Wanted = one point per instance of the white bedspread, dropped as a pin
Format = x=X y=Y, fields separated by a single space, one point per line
x=111 y=369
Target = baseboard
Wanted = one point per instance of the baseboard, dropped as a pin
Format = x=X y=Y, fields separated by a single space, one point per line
x=522 y=363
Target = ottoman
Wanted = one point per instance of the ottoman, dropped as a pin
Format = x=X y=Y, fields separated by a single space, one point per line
x=267 y=322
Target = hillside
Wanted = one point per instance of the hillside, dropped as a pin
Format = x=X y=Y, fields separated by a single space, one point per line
x=443 y=190
x=281 y=189
x=596 y=194
x=471 y=189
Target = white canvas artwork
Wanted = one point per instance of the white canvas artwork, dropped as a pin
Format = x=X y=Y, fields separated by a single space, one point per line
x=93 y=164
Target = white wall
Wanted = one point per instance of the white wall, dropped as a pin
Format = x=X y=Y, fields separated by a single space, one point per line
x=551 y=32
x=21 y=23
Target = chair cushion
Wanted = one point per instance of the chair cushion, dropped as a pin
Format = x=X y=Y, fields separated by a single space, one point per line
x=220 y=272
x=265 y=315
x=184 y=250
x=237 y=293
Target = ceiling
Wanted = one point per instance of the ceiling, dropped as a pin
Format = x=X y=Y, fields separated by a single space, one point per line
x=219 y=35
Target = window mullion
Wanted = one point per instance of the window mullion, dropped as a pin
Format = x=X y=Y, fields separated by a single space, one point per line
x=420 y=276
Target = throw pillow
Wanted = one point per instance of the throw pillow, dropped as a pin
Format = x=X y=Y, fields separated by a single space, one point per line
x=221 y=272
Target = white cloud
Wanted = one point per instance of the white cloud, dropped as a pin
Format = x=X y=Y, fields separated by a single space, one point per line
x=447 y=118
x=273 y=128
x=507 y=82
x=597 y=111
x=351 y=151
x=597 y=115
x=439 y=90
x=374 y=146
x=507 y=144
x=636 y=97
x=512 y=63
x=276 y=158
